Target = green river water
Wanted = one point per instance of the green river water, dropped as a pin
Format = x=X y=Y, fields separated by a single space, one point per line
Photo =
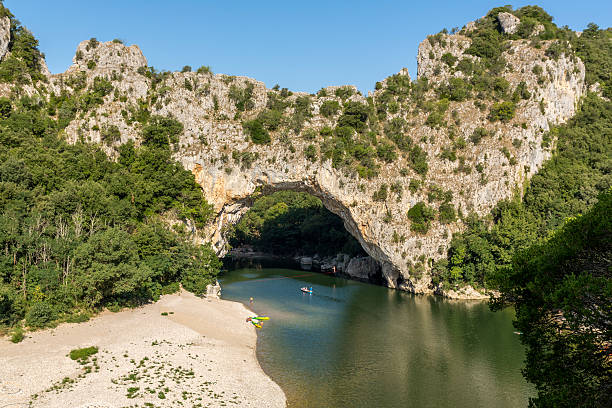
x=352 y=344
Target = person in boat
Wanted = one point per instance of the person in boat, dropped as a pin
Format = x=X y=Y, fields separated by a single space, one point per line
x=257 y=321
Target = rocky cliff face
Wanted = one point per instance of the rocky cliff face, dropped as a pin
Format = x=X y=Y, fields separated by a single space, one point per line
x=230 y=168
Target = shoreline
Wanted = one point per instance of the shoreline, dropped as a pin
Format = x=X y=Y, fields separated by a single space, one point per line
x=201 y=352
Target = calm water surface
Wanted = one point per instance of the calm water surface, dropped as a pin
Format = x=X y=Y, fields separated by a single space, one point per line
x=352 y=344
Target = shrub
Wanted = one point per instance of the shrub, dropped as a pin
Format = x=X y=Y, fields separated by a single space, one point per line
x=478 y=134
x=5 y=107
x=329 y=108
x=162 y=131
x=386 y=151
x=204 y=69
x=486 y=44
x=40 y=315
x=259 y=135
x=449 y=59
x=186 y=68
x=418 y=160
x=447 y=213
x=311 y=153
x=503 y=111
x=242 y=97
x=381 y=193
x=420 y=216
x=355 y=115
x=83 y=354
x=17 y=335
x=344 y=92
x=110 y=134
x=271 y=119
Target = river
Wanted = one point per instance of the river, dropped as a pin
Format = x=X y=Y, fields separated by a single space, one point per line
x=352 y=344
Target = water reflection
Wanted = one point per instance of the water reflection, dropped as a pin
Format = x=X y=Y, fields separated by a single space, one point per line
x=357 y=345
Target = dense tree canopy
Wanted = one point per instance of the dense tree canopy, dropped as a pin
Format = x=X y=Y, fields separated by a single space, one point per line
x=78 y=231
x=288 y=223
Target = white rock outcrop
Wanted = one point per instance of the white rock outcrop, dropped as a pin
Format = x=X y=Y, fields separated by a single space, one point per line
x=5 y=36
x=508 y=22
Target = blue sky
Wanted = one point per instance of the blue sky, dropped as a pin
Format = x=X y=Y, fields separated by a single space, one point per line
x=301 y=45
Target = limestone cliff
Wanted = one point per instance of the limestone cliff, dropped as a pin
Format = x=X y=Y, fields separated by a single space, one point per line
x=216 y=147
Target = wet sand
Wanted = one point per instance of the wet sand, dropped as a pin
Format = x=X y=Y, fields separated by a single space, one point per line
x=202 y=354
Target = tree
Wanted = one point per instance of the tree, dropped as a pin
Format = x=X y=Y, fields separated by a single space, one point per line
x=255 y=129
x=561 y=290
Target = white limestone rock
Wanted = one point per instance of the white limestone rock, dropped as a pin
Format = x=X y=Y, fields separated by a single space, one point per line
x=508 y=22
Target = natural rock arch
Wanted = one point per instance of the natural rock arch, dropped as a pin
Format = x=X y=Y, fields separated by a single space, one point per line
x=229 y=167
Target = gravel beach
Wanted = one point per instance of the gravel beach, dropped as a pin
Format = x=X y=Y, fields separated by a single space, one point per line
x=201 y=354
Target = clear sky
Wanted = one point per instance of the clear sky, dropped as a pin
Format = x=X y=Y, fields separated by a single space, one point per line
x=301 y=45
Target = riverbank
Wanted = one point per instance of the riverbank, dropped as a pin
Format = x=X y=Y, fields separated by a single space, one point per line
x=200 y=351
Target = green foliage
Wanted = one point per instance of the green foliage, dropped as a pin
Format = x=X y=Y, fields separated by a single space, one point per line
x=381 y=193
x=311 y=153
x=594 y=47
x=417 y=158
x=255 y=129
x=561 y=290
x=420 y=216
x=289 y=223
x=79 y=231
x=478 y=134
x=457 y=89
x=449 y=59
x=271 y=119
x=186 y=68
x=23 y=65
x=329 y=108
x=355 y=115
x=344 y=92
x=162 y=131
x=40 y=314
x=503 y=111
x=242 y=97
x=17 y=335
x=447 y=213
x=204 y=69
x=110 y=134
x=83 y=354
x=202 y=271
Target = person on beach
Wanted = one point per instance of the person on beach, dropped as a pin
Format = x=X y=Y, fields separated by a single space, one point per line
x=251 y=300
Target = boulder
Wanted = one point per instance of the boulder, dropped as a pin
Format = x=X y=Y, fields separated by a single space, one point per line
x=509 y=23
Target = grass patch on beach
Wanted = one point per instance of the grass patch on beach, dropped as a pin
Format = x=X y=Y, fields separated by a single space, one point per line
x=83 y=354
x=17 y=335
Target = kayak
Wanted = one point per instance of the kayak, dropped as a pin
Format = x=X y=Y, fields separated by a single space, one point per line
x=306 y=290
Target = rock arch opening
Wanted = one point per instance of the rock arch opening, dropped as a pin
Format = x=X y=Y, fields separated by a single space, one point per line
x=291 y=227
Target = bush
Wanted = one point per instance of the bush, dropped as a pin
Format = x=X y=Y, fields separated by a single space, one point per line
x=380 y=194
x=204 y=69
x=329 y=108
x=355 y=115
x=478 y=134
x=259 y=135
x=162 y=131
x=311 y=153
x=110 y=134
x=40 y=315
x=17 y=335
x=186 y=68
x=503 y=111
x=447 y=213
x=386 y=151
x=420 y=216
x=83 y=354
x=449 y=59
x=418 y=160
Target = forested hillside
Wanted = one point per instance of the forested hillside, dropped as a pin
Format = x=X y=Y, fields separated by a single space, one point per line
x=78 y=231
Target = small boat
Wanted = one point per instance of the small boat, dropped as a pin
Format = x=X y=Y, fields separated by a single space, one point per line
x=306 y=290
